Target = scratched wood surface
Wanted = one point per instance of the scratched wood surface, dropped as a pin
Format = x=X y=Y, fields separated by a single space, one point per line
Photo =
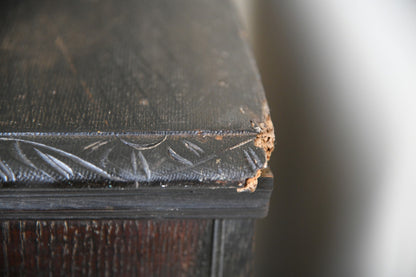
x=127 y=92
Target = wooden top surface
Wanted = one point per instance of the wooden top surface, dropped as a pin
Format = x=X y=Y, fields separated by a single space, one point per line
x=125 y=94
x=125 y=66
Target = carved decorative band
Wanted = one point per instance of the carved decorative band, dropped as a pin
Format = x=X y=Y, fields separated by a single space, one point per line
x=30 y=160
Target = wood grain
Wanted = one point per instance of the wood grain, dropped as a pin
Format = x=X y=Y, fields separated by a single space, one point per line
x=106 y=248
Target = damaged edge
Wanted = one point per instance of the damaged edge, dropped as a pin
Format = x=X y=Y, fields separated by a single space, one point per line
x=265 y=139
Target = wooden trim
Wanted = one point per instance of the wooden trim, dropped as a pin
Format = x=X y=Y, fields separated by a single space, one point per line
x=143 y=202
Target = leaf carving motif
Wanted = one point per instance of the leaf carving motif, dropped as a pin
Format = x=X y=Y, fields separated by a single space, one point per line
x=126 y=158
x=56 y=164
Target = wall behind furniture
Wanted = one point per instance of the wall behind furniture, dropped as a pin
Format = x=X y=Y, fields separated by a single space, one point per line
x=340 y=77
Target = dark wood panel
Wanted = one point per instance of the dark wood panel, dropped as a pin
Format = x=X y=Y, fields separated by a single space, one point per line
x=233 y=247
x=106 y=248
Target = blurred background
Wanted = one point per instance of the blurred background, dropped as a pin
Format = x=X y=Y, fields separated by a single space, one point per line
x=340 y=78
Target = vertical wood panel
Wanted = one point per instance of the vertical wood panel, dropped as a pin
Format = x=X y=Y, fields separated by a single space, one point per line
x=233 y=245
x=106 y=248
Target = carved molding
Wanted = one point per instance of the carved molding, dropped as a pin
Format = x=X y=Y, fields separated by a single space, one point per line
x=31 y=160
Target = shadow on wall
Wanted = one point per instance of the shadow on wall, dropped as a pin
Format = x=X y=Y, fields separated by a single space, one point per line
x=332 y=138
x=293 y=239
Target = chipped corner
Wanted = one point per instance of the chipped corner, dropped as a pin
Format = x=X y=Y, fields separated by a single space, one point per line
x=265 y=139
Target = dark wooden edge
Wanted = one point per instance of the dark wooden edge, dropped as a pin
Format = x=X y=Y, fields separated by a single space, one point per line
x=143 y=202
